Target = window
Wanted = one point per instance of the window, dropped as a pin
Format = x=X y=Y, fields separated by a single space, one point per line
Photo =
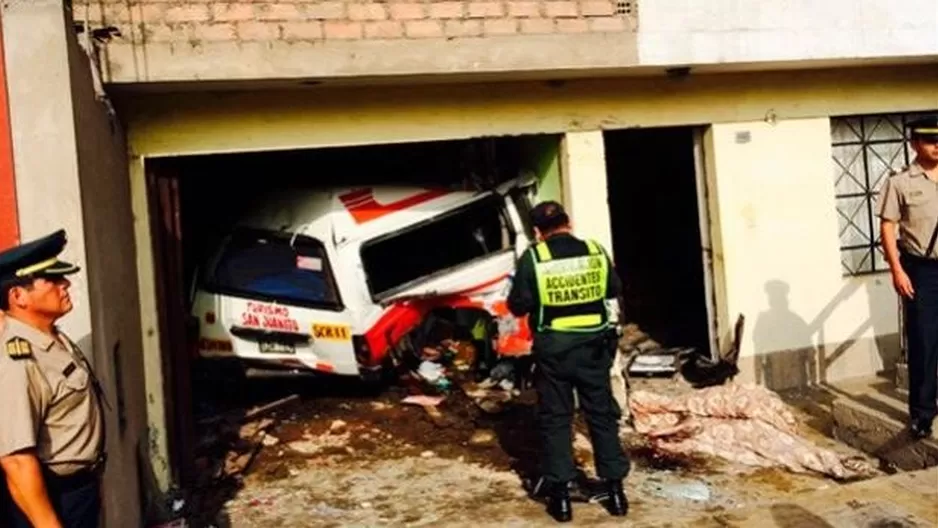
x=866 y=149
x=396 y=261
x=263 y=265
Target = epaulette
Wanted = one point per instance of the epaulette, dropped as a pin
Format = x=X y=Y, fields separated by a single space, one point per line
x=19 y=348
x=896 y=172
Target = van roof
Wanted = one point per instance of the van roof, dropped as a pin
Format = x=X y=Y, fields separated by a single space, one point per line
x=352 y=213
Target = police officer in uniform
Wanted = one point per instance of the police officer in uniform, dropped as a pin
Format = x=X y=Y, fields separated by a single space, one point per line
x=909 y=200
x=51 y=419
x=562 y=283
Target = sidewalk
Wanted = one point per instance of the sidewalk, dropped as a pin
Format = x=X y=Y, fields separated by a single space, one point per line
x=904 y=500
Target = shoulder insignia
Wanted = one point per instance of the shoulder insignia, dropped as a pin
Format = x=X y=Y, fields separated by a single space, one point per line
x=896 y=172
x=19 y=348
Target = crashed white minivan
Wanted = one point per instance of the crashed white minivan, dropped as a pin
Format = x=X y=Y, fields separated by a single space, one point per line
x=332 y=280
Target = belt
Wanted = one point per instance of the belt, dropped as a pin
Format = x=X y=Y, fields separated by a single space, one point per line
x=74 y=480
x=917 y=258
x=78 y=478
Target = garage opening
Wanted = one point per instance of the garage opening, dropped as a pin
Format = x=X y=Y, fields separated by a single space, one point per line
x=655 y=209
x=198 y=202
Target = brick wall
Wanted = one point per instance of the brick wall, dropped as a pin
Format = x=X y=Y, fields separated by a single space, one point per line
x=196 y=21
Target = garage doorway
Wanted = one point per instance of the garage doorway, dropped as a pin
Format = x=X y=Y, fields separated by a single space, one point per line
x=195 y=200
x=657 y=208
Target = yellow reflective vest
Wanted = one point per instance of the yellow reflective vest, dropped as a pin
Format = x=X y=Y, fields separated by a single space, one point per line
x=572 y=290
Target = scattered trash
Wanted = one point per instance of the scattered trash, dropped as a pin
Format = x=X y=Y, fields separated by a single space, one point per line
x=423 y=400
x=482 y=438
x=694 y=490
x=325 y=510
x=427 y=454
x=431 y=371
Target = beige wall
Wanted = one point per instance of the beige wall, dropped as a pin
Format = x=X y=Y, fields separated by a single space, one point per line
x=169 y=124
x=584 y=182
x=780 y=260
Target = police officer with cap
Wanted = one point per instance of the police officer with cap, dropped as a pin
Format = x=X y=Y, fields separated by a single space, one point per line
x=909 y=201
x=52 y=432
x=562 y=284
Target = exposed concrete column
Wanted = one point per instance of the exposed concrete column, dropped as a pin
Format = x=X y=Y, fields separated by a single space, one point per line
x=71 y=172
x=44 y=145
x=583 y=158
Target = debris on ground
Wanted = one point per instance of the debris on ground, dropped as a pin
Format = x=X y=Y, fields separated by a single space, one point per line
x=694 y=490
x=747 y=424
x=460 y=419
x=239 y=435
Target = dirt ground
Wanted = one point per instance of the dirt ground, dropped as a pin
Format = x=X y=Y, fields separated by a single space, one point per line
x=345 y=457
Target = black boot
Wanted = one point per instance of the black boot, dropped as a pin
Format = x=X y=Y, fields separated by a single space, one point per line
x=616 y=502
x=558 y=503
x=920 y=428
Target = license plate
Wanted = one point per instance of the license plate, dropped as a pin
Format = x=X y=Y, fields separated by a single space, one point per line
x=275 y=347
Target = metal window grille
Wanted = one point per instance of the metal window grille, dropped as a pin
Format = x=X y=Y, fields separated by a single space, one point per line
x=866 y=150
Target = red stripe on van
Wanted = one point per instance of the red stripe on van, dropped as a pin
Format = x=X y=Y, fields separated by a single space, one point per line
x=363 y=207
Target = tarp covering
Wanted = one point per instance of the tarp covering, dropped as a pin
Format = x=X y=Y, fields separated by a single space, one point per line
x=747 y=424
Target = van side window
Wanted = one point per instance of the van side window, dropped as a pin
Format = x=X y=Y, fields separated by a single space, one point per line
x=263 y=265
x=394 y=262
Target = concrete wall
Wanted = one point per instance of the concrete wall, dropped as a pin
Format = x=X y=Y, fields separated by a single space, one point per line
x=217 y=40
x=727 y=31
x=46 y=167
x=780 y=260
x=112 y=289
x=71 y=170
x=189 y=40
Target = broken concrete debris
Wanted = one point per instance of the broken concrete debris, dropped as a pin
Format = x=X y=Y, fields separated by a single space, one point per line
x=482 y=438
x=240 y=434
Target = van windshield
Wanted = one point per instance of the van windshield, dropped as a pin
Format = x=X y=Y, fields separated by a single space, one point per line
x=394 y=261
x=264 y=265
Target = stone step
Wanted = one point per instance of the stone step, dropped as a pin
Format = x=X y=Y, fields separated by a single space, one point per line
x=872 y=416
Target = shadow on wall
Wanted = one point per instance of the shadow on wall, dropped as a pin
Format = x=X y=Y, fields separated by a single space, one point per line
x=780 y=368
x=778 y=324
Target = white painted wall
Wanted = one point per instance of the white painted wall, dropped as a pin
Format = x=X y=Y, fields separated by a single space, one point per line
x=779 y=250
x=726 y=31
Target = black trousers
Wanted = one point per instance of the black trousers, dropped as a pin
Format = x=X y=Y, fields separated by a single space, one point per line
x=921 y=326
x=584 y=368
x=76 y=500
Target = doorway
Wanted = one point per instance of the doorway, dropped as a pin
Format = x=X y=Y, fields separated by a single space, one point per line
x=656 y=208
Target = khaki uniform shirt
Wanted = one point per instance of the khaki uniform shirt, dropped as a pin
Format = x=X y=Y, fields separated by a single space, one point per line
x=49 y=399
x=910 y=198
